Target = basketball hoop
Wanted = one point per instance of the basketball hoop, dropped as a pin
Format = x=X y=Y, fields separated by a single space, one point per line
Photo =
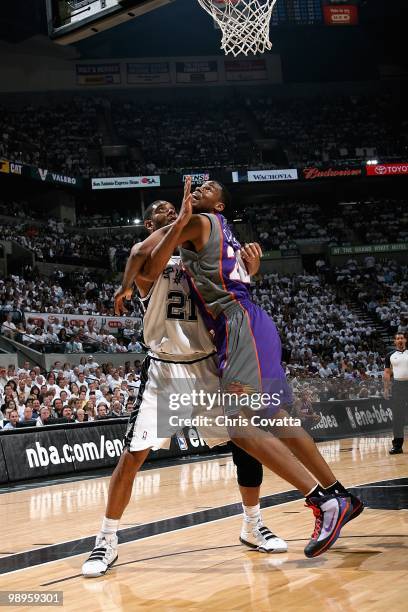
x=244 y=24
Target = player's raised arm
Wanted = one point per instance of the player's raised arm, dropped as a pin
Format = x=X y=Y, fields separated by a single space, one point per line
x=134 y=265
x=186 y=228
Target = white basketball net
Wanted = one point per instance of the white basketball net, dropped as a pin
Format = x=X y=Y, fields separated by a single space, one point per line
x=244 y=24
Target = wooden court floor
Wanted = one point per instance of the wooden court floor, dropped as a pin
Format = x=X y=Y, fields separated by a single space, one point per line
x=181 y=548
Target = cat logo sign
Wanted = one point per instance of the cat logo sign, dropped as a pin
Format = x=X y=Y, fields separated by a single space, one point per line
x=4 y=166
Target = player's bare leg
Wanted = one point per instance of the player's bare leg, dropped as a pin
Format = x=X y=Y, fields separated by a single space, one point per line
x=121 y=482
x=250 y=495
x=304 y=448
x=273 y=454
x=105 y=553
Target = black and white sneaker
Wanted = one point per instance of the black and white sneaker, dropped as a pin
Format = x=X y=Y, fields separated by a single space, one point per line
x=102 y=557
x=261 y=538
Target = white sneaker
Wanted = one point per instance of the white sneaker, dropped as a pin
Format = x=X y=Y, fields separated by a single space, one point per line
x=260 y=537
x=102 y=557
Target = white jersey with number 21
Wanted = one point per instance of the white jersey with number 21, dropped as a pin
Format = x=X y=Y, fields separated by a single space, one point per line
x=173 y=327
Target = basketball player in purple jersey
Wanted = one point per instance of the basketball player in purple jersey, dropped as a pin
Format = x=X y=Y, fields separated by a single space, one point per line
x=180 y=350
x=249 y=352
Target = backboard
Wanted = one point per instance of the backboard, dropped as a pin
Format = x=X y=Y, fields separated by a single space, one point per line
x=73 y=20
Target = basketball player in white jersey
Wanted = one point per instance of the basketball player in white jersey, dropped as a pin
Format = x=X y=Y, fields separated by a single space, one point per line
x=181 y=354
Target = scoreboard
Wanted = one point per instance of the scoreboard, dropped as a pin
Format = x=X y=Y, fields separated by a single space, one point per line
x=297 y=12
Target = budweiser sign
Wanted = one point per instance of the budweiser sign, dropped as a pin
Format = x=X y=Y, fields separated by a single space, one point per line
x=317 y=173
x=387 y=169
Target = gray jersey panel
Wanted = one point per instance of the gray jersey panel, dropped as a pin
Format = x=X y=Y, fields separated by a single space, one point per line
x=204 y=268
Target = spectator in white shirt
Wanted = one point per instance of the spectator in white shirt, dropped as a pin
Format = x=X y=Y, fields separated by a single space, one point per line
x=8 y=328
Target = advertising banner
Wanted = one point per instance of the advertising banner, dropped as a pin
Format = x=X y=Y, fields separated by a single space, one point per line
x=98 y=74
x=38 y=453
x=4 y=166
x=3 y=470
x=246 y=70
x=48 y=176
x=351 y=417
x=61 y=449
x=196 y=72
x=319 y=173
x=9 y=167
x=387 y=169
x=197 y=179
x=370 y=248
x=126 y=182
x=341 y=15
x=257 y=176
x=146 y=73
x=99 y=446
x=111 y=324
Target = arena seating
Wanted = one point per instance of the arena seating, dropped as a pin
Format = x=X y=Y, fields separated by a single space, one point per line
x=200 y=133
x=56 y=137
x=339 y=128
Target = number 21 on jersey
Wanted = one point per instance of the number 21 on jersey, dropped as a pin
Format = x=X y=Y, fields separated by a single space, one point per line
x=180 y=306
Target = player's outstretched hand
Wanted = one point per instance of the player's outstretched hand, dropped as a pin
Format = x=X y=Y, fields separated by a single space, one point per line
x=186 y=209
x=251 y=255
x=121 y=295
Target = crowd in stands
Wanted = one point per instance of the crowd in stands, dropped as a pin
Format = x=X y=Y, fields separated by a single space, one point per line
x=200 y=133
x=282 y=225
x=324 y=339
x=277 y=225
x=285 y=225
x=77 y=293
x=195 y=133
x=56 y=137
x=88 y=391
x=381 y=286
x=318 y=129
x=20 y=209
x=54 y=242
x=377 y=221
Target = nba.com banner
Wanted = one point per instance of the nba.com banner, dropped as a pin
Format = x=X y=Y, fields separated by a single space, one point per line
x=98 y=74
x=63 y=449
x=111 y=324
x=387 y=169
x=126 y=182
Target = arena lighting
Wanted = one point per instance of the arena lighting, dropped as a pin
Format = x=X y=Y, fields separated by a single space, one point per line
x=372 y=162
x=236 y=220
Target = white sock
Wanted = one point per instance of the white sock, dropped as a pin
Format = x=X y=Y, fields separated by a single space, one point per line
x=252 y=514
x=109 y=526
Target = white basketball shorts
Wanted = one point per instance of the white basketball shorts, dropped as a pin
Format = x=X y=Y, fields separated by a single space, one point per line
x=169 y=396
